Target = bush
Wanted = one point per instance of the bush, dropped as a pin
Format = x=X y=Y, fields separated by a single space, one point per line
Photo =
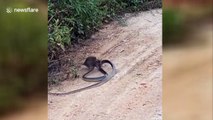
x=71 y=20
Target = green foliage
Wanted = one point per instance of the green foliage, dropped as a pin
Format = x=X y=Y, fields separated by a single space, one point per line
x=80 y=18
x=60 y=35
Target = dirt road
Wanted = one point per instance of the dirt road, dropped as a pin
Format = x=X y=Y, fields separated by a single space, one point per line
x=134 y=93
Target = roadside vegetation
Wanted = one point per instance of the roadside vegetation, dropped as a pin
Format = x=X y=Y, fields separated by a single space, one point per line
x=70 y=22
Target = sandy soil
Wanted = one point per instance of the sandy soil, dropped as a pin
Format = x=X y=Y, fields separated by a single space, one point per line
x=134 y=93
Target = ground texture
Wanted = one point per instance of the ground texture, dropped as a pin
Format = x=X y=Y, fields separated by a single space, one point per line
x=134 y=93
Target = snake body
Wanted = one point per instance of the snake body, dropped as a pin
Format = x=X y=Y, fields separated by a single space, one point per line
x=100 y=80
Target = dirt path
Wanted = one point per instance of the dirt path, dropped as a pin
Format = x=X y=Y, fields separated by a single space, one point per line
x=134 y=93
